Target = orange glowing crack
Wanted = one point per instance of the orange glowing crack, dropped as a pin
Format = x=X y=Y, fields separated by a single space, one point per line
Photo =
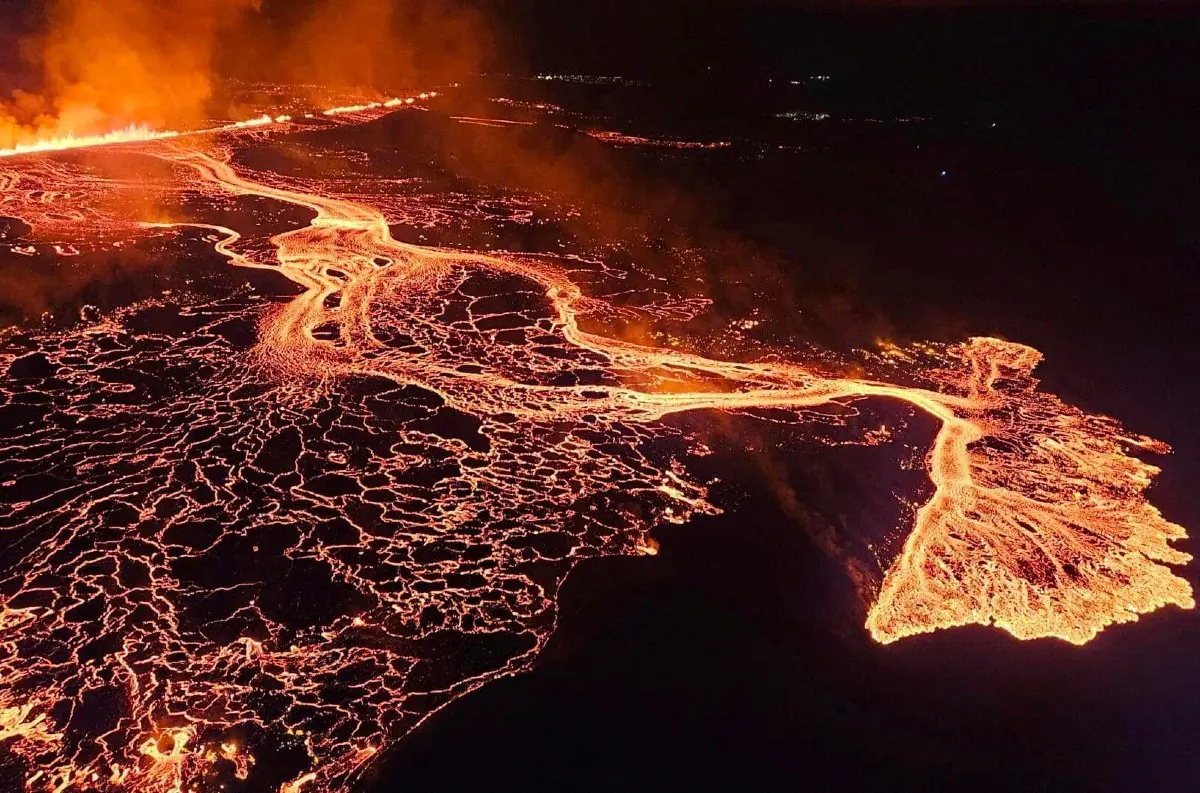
x=621 y=139
x=407 y=436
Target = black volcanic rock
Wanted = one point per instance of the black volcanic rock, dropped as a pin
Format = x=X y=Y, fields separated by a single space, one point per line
x=35 y=366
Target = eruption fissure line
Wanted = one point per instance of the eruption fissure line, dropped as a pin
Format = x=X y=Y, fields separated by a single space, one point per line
x=136 y=133
x=427 y=439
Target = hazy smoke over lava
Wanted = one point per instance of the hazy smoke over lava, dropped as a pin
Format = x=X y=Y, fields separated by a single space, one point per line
x=108 y=64
x=360 y=43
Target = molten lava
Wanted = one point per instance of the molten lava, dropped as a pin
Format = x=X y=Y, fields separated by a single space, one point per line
x=240 y=529
x=130 y=134
x=135 y=133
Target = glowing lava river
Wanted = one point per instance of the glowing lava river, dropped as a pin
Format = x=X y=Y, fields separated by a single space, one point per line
x=248 y=542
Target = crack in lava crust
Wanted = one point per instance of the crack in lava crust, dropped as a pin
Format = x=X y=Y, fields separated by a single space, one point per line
x=256 y=563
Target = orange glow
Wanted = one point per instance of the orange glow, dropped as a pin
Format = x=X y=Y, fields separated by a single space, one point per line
x=621 y=139
x=143 y=134
x=130 y=134
x=108 y=64
x=1038 y=522
x=992 y=512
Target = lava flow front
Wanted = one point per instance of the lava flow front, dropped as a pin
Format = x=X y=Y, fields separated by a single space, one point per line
x=253 y=534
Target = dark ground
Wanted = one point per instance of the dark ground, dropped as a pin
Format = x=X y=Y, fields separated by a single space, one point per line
x=735 y=660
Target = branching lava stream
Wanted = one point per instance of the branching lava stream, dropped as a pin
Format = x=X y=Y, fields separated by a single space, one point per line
x=237 y=530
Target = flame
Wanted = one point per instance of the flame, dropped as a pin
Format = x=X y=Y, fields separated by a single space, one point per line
x=134 y=133
x=105 y=65
x=139 y=133
x=21 y=721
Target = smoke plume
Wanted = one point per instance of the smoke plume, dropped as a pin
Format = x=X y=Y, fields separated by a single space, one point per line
x=107 y=64
x=110 y=63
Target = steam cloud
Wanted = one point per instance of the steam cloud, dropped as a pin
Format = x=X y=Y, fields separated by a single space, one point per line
x=107 y=64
